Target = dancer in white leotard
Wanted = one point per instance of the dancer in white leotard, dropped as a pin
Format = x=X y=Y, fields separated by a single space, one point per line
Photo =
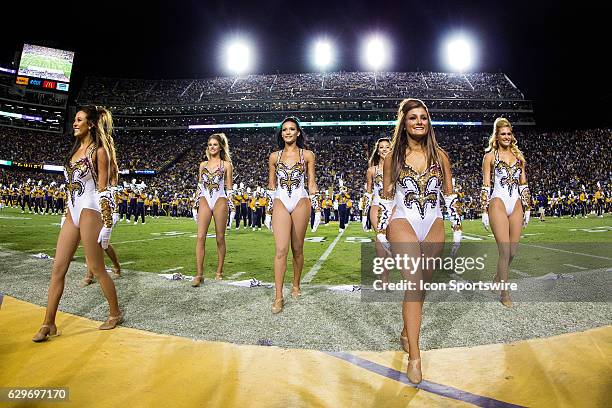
x=290 y=187
x=503 y=169
x=89 y=217
x=374 y=186
x=417 y=198
x=506 y=181
x=374 y=176
x=212 y=184
x=289 y=206
x=415 y=173
x=211 y=199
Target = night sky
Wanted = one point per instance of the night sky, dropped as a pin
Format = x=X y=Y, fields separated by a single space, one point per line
x=555 y=55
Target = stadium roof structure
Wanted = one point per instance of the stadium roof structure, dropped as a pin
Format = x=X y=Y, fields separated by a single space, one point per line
x=296 y=86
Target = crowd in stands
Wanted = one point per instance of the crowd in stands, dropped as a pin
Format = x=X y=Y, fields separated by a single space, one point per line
x=435 y=105
x=31 y=146
x=178 y=122
x=423 y=85
x=151 y=117
x=139 y=150
x=561 y=161
x=136 y=150
x=16 y=177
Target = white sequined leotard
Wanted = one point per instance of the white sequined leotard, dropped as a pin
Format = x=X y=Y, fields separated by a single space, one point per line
x=506 y=182
x=212 y=185
x=290 y=187
x=417 y=198
x=81 y=178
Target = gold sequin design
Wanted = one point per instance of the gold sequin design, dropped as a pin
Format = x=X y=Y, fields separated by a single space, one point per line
x=485 y=197
x=211 y=180
x=422 y=189
x=76 y=172
x=526 y=198
x=107 y=207
x=509 y=174
x=289 y=177
x=378 y=180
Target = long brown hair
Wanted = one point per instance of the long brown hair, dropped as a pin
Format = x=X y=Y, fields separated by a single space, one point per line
x=494 y=143
x=101 y=132
x=375 y=156
x=399 y=144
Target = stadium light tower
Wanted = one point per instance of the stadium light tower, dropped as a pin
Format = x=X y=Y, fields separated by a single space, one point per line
x=238 y=57
x=323 y=54
x=459 y=53
x=376 y=53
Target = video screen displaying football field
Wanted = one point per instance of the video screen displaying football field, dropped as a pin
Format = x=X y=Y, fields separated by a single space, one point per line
x=46 y=63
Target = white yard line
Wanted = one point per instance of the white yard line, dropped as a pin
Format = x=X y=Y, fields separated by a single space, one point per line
x=127 y=263
x=576 y=267
x=315 y=268
x=121 y=242
x=171 y=269
x=479 y=235
x=569 y=252
x=520 y=273
x=148 y=239
x=551 y=249
x=234 y=276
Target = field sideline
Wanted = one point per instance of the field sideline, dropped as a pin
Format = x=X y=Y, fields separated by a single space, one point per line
x=167 y=245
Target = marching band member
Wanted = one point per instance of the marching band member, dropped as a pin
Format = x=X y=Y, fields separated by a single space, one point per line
x=327 y=205
x=232 y=203
x=342 y=198
x=242 y=197
x=140 y=204
x=155 y=204
x=49 y=208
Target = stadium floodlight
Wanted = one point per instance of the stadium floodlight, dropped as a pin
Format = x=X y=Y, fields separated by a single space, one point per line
x=238 y=57
x=459 y=53
x=323 y=54
x=376 y=53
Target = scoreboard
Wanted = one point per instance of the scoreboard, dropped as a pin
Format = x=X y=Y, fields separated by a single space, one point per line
x=44 y=68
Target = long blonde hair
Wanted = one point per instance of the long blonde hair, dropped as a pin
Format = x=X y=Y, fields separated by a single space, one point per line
x=224 y=153
x=399 y=143
x=494 y=143
x=102 y=135
x=105 y=122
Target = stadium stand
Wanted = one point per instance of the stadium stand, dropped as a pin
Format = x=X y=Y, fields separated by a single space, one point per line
x=152 y=119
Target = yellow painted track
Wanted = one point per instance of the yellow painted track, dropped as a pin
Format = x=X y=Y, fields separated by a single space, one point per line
x=133 y=368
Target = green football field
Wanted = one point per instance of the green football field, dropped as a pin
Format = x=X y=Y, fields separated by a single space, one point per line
x=47 y=62
x=166 y=245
